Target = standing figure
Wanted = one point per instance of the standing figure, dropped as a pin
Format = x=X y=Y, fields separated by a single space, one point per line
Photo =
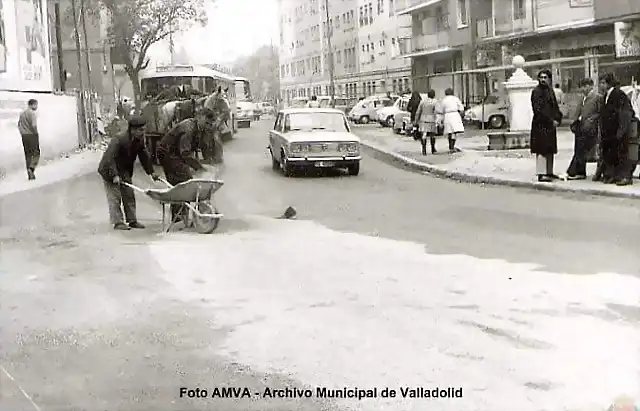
x=615 y=124
x=452 y=109
x=546 y=118
x=116 y=167
x=28 y=128
x=177 y=149
x=585 y=128
x=218 y=104
x=426 y=117
x=412 y=108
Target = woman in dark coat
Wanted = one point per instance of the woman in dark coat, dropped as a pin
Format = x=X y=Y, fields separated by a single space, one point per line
x=546 y=118
x=412 y=108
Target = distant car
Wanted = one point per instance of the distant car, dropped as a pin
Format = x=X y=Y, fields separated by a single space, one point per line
x=494 y=114
x=342 y=104
x=365 y=110
x=386 y=115
x=266 y=108
x=244 y=113
x=304 y=138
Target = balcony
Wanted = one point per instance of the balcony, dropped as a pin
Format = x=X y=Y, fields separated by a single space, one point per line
x=428 y=42
x=409 y=6
x=503 y=24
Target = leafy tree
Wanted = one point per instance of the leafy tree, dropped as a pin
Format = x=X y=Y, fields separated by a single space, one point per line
x=136 y=25
x=263 y=72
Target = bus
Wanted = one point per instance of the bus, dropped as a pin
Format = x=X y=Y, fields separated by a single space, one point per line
x=243 y=89
x=201 y=78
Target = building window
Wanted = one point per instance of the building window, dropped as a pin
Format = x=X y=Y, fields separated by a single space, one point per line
x=519 y=10
x=380 y=6
x=370 y=13
x=338 y=56
x=361 y=16
x=463 y=13
x=391 y=8
x=338 y=22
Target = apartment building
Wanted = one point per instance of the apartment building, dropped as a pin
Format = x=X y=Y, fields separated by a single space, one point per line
x=365 y=39
x=468 y=44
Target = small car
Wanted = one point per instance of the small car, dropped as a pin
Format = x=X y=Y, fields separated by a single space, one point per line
x=313 y=138
x=365 y=110
x=386 y=115
x=244 y=114
x=494 y=114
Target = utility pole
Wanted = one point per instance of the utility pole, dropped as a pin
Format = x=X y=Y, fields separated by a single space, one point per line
x=87 y=60
x=171 y=45
x=61 y=71
x=83 y=112
x=332 y=85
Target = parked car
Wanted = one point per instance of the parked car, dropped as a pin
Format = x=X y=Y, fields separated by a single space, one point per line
x=305 y=138
x=365 y=110
x=493 y=115
x=266 y=108
x=298 y=102
x=244 y=113
x=386 y=115
x=342 y=104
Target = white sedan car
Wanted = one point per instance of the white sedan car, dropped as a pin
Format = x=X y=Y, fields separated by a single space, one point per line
x=304 y=138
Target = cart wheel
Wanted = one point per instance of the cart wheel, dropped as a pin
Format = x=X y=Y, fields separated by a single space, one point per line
x=205 y=225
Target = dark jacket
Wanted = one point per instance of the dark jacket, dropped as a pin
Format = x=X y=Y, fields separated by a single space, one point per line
x=413 y=104
x=120 y=156
x=544 y=140
x=587 y=117
x=616 y=116
x=182 y=142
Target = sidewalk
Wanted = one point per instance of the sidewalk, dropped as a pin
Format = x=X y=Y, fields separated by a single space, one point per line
x=67 y=166
x=475 y=164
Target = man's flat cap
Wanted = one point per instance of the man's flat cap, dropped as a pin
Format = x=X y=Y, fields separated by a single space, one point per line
x=137 y=121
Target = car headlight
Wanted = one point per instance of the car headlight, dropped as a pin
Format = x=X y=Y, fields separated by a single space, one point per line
x=297 y=149
x=351 y=148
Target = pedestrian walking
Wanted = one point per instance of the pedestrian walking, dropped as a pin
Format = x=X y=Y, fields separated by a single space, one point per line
x=426 y=118
x=28 y=128
x=585 y=128
x=615 y=124
x=452 y=109
x=116 y=167
x=177 y=151
x=546 y=118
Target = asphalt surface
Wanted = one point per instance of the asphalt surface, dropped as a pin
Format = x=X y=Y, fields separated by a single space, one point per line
x=92 y=319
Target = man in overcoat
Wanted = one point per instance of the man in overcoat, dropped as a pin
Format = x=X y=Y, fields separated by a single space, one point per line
x=615 y=125
x=546 y=119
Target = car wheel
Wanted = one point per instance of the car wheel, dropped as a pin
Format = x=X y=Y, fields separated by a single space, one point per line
x=364 y=120
x=496 y=121
x=285 y=167
x=397 y=130
x=354 y=169
x=274 y=163
x=390 y=121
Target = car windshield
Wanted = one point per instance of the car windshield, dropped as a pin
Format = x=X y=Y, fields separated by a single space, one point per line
x=317 y=121
x=387 y=103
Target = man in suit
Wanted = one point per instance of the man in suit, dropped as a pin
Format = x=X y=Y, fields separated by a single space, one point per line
x=585 y=127
x=615 y=125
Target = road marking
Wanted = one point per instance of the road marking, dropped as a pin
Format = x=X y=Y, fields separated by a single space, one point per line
x=27 y=396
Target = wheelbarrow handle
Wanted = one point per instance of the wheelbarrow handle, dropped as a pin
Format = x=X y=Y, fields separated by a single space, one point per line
x=133 y=187
x=165 y=182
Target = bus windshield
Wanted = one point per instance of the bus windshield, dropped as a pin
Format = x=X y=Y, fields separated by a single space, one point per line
x=243 y=90
x=151 y=87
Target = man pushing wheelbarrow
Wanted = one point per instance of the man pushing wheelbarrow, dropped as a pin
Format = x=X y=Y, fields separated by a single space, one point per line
x=177 y=151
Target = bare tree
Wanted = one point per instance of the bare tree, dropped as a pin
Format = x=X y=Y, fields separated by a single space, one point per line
x=136 y=25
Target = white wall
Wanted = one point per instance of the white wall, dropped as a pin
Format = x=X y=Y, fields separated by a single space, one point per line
x=57 y=124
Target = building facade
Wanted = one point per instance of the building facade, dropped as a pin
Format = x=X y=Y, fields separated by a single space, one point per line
x=99 y=75
x=365 y=40
x=468 y=44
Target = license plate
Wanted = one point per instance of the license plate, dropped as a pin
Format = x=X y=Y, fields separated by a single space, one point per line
x=324 y=164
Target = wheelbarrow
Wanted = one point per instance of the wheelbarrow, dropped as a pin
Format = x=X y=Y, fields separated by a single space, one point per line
x=195 y=200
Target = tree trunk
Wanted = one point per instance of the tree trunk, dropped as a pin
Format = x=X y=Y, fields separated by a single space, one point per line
x=135 y=82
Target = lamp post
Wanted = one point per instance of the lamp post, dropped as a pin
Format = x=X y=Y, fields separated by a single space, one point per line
x=332 y=86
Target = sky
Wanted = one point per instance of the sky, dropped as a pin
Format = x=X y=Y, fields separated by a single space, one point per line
x=236 y=28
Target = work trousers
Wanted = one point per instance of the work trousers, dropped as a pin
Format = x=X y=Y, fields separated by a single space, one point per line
x=544 y=164
x=583 y=143
x=176 y=171
x=31 y=146
x=120 y=196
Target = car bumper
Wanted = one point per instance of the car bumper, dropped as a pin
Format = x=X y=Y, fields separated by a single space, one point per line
x=336 y=162
x=243 y=119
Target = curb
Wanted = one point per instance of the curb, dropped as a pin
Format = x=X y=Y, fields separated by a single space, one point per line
x=401 y=161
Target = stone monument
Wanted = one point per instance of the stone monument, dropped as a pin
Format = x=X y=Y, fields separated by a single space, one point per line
x=518 y=87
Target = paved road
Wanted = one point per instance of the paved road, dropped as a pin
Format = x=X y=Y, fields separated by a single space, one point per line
x=390 y=279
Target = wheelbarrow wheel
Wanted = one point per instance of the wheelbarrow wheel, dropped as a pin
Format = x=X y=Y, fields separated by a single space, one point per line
x=205 y=224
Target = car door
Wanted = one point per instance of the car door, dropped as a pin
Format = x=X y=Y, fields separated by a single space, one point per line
x=275 y=137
